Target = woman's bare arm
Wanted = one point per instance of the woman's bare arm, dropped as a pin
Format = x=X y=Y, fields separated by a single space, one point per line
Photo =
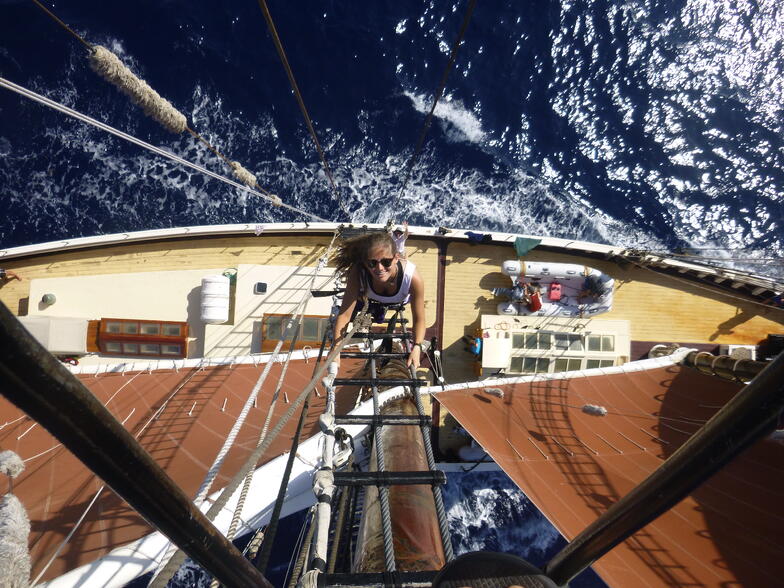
x=418 y=314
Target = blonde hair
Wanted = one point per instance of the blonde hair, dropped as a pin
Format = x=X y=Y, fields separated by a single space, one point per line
x=357 y=250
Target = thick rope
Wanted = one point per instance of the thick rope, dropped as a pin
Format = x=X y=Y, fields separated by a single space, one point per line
x=295 y=88
x=263 y=558
x=296 y=571
x=235 y=519
x=107 y=65
x=439 y=93
x=159 y=579
x=84 y=118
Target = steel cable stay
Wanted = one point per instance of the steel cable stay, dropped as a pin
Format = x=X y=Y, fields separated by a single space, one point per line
x=301 y=103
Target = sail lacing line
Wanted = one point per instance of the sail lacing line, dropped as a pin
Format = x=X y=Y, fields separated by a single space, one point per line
x=153 y=417
x=111 y=68
x=109 y=129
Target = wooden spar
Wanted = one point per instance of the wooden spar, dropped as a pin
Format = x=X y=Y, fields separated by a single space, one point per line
x=417 y=539
x=40 y=385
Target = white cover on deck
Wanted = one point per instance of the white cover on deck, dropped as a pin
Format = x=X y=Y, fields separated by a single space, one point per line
x=60 y=335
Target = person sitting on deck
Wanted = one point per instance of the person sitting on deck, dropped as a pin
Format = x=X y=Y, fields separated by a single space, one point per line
x=592 y=288
x=532 y=297
x=375 y=270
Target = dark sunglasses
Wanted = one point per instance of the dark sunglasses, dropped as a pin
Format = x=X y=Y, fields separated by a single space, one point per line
x=386 y=262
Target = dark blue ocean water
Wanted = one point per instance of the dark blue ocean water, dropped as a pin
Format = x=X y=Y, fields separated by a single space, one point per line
x=656 y=124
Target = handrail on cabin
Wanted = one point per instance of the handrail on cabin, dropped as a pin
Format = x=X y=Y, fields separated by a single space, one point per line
x=744 y=420
x=37 y=383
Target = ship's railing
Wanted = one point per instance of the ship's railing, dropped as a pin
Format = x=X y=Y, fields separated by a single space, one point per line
x=757 y=285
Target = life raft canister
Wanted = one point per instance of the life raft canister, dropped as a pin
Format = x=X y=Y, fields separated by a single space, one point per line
x=554 y=292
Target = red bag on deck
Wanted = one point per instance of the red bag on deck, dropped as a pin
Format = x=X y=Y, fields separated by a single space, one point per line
x=554 y=293
x=535 y=303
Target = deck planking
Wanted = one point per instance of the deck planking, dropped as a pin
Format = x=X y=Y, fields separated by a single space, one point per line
x=659 y=307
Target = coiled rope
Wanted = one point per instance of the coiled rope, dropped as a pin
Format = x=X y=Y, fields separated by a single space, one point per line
x=84 y=118
x=429 y=119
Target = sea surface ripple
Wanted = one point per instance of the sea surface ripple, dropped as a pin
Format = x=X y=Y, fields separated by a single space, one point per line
x=642 y=123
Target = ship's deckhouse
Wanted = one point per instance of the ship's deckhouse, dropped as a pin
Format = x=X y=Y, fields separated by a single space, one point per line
x=528 y=345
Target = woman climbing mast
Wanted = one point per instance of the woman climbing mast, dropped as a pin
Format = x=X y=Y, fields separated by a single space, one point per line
x=374 y=270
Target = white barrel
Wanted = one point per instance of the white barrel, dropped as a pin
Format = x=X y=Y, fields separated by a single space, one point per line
x=511 y=268
x=215 y=299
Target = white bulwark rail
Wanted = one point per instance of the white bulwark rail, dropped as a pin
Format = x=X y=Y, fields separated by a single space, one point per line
x=709 y=274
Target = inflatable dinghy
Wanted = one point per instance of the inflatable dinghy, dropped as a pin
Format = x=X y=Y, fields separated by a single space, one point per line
x=554 y=289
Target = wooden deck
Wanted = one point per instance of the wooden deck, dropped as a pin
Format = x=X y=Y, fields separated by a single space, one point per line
x=660 y=308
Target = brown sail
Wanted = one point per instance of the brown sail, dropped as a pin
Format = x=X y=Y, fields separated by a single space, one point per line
x=574 y=464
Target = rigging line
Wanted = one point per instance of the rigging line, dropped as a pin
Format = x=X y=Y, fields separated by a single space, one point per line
x=713 y=263
x=173 y=557
x=54 y=17
x=698 y=285
x=262 y=559
x=439 y=93
x=220 y=155
x=285 y=62
x=246 y=485
x=84 y=118
x=107 y=65
x=702 y=257
x=249 y=478
x=250 y=463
